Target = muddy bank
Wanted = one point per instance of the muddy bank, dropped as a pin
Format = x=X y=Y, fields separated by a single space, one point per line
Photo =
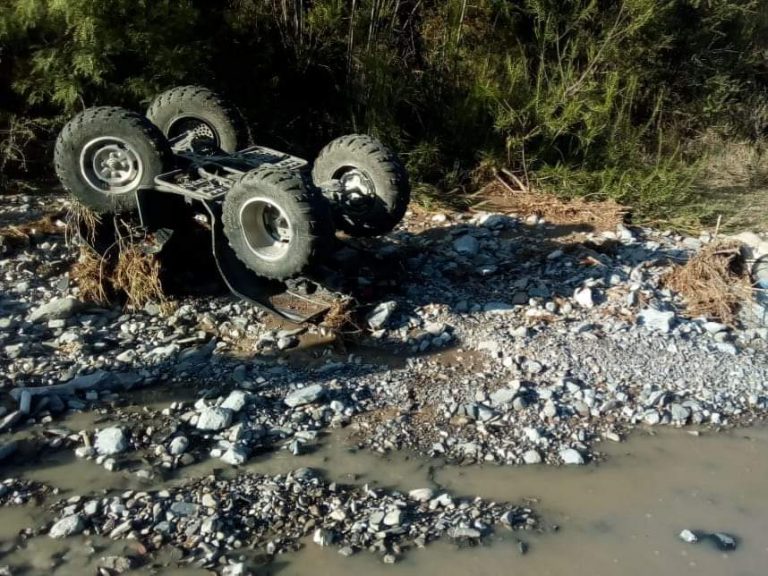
x=622 y=515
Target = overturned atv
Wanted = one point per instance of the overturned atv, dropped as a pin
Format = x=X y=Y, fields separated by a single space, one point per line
x=271 y=216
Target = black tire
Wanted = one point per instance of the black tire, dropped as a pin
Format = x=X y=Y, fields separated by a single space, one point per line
x=200 y=110
x=269 y=190
x=103 y=155
x=385 y=181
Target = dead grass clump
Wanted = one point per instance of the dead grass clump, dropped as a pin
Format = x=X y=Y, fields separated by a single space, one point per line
x=714 y=282
x=340 y=317
x=82 y=222
x=90 y=276
x=19 y=235
x=599 y=216
x=137 y=274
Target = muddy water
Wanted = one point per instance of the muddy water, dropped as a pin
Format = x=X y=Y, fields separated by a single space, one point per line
x=621 y=517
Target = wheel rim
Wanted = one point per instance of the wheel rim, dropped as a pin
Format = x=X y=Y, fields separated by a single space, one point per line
x=187 y=129
x=359 y=189
x=266 y=228
x=111 y=165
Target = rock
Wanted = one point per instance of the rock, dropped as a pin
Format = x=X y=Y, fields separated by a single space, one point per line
x=116 y=564
x=503 y=396
x=67 y=526
x=235 y=456
x=657 y=320
x=679 y=413
x=57 y=309
x=466 y=245
x=393 y=518
x=25 y=402
x=583 y=297
x=532 y=457
x=307 y=395
x=688 y=536
x=214 y=418
x=110 y=441
x=322 y=537
x=571 y=456
x=463 y=532
x=236 y=401
x=723 y=541
x=380 y=315
x=178 y=446
x=184 y=508
x=714 y=327
x=236 y=569
x=421 y=494
x=498 y=307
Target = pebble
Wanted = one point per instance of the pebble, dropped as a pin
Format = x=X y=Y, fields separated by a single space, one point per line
x=303 y=396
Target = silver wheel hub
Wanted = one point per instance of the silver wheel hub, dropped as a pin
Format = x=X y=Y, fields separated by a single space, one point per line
x=267 y=230
x=357 y=185
x=111 y=165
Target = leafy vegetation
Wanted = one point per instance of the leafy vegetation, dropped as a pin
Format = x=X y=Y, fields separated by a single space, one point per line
x=583 y=97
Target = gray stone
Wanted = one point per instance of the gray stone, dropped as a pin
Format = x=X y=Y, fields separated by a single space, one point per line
x=466 y=245
x=657 y=320
x=307 y=395
x=67 y=526
x=184 y=508
x=214 y=418
x=235 y=456
x=236 y=400
x=724 y=542
x=380 y=315
x=679 y=413
x=532 y=457
x=110 y=441
x=503 y=396
x=178 y=446
x=322 y=537
x=463 y=532
x=571 y=456
x=57 y=309
x=421 y=494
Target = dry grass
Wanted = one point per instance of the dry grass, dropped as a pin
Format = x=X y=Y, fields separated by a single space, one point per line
x=81 y=222
x=137 y=275
x=90 y=276
x=714 y=283
x=599 y=216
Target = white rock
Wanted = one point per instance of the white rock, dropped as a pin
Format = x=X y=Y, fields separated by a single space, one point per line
x=110 y=441
x=380 y=315
x=214 y=418
x=421 y=494
x=236 y=400
x=57 y=309
x=67 y=526
x=571 y=456
x=583 y=297
x=657 y=320
x=235 y=456
x=306 y=395
x=688 y=536
x=322 y=537
x=532 y=457
x=178 y=446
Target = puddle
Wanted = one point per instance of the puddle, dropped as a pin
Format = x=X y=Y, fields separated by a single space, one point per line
x=622 y=516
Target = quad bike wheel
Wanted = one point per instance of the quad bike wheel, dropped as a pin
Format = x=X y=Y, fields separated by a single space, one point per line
x=192 y=113
x=274 y=224
x=372 y=184
x=104 y=155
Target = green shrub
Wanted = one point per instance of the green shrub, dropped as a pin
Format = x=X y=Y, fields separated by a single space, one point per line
x=599 y=97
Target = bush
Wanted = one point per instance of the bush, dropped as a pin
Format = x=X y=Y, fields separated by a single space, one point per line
x=582 y=96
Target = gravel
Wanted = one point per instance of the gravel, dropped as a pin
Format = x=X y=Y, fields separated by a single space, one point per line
x=490 y=340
